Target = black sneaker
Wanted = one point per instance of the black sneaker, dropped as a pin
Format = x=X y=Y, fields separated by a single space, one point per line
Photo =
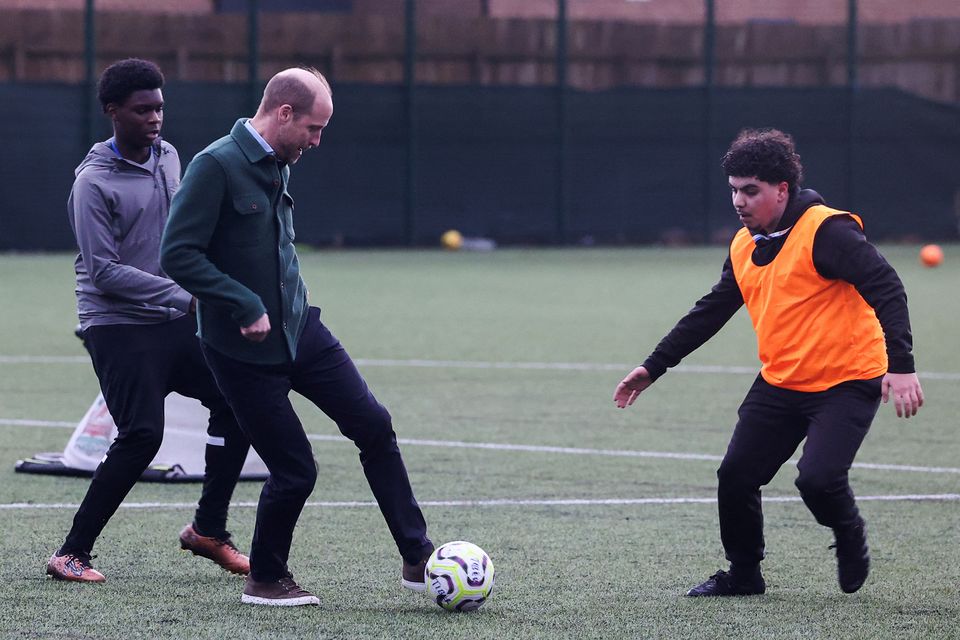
x=723 y=583
x=284 y=592
x=853 y=556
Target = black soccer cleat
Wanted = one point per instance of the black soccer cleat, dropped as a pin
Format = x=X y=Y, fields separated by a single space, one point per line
x=853 y=556
x=723 y=583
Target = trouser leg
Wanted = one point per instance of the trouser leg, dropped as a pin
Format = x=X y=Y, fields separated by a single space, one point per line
x=325 y=374
x=839 y=421
x=767 y=433
x=227 y=445
x=258 y=395
x=132 y=374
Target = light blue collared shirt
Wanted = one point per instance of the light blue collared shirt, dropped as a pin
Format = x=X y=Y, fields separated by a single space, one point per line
x=259 y=138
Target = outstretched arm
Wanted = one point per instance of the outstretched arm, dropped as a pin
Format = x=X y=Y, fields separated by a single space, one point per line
x=700 y=324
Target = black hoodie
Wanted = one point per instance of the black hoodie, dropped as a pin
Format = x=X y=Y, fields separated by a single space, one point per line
x=840 y=252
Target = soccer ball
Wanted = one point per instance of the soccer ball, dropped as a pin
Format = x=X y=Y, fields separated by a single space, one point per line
x=451 y=239
x=931 y=255
x=459 y=576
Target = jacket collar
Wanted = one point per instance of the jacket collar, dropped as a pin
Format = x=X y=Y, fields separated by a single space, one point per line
x=252 y=149
x=797 y=205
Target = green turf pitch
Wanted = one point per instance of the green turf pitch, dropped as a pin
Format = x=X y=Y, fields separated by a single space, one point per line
x=499 y=369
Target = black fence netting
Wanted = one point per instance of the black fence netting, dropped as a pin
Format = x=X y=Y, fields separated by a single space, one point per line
x=634 y=163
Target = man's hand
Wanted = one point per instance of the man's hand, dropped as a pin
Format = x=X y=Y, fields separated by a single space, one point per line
x=906 y=392
x=257 y=332
x=631 y=386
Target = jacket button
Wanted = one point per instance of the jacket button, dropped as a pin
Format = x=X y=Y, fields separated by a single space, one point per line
x=276 y=183
x=253 y=206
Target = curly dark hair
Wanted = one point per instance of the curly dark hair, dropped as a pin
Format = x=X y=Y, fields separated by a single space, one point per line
x=124 y=77
x=768 y=154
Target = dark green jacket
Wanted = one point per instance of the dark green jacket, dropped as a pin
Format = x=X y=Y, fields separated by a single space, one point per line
x=229 y=242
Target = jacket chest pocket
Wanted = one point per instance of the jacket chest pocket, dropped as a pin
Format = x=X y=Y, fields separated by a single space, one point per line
x=253 y=223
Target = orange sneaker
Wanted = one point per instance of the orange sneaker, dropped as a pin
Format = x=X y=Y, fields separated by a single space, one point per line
x=223 y=552
x=73 y=567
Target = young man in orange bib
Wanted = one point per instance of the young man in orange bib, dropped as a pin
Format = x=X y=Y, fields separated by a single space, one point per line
x=834 y=339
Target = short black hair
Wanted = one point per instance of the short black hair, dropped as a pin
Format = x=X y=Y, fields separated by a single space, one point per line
x=768 y=154
x=124 y=77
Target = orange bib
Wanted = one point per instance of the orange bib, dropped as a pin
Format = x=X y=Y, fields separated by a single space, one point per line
x=812 y=333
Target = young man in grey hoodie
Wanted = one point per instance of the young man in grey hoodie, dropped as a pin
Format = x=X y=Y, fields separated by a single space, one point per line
x=139 y=325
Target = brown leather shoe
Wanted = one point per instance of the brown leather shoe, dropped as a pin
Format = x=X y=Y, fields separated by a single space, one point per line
x=73 y=568
x=284 y=592
x=223 y=552
x=412 y=576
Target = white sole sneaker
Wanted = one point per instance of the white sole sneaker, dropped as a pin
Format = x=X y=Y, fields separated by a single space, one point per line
x=419 y=587
x=280 y=602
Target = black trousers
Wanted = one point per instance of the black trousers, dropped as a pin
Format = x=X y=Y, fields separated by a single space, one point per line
x=773 y=422
x=138 y=366
x=323 y=373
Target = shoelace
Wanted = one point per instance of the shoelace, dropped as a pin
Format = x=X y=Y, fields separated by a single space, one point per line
x=227 y=542
x=289 y=585
x=79 y=560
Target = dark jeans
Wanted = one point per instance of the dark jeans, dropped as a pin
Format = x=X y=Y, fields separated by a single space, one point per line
x=773 y=422
x=138 y=366
x=323 y=373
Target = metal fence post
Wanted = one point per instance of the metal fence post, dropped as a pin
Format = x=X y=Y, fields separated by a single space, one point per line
x=253 y=54
x=562 y=138
x=410 y=85
x=851 y=102
x=709 y=61
x=90 y=71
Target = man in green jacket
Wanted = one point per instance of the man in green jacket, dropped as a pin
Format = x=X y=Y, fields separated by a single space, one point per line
x=229 y=242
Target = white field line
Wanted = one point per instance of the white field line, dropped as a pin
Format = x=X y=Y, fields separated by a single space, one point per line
x=561 y=502
x=56 y=424
x=529 y=448
x=625 y=453
x=481 y=364
x=44 y=359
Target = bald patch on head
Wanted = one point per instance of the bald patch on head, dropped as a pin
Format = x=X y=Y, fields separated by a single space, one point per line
x=296 y=87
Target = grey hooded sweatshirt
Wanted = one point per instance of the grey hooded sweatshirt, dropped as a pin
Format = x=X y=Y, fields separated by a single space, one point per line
x=117 y=210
